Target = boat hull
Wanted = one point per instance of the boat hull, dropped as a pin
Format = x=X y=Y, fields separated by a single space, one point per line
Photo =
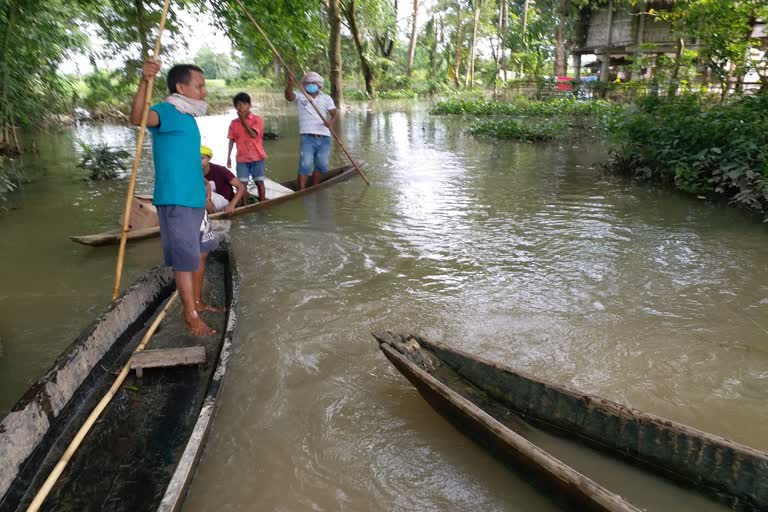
x=112 y=237
x=142 y=452
x=719 y=468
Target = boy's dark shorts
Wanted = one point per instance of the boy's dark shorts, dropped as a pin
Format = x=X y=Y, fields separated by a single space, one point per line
x=180 y=235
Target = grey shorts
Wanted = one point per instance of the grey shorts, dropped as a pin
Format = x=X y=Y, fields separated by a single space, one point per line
x=180 y=235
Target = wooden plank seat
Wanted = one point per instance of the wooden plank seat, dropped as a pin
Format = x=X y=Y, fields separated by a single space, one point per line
x=160 y=358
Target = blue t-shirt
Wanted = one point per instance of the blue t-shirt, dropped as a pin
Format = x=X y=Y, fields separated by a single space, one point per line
x=178 y=165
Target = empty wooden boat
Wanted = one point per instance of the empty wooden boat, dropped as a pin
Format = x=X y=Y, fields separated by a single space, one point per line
x=141 y=231
x=493 y=403
x=142 y=451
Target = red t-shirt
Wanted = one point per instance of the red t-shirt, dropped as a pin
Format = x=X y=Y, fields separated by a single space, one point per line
x=221 y=176
x=249 y=149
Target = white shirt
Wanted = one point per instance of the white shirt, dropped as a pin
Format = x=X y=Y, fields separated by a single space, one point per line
x=309 y=121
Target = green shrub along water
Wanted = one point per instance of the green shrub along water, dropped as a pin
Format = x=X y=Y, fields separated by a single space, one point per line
x=699 y=147
x=11 y=180
x=515 y=129
x=534 y=120
x=101 y=161
x=525 y=107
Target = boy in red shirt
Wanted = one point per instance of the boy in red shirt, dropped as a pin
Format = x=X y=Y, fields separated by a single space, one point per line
x=247 y=132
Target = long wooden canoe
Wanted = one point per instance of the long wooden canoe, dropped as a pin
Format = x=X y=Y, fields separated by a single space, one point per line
x=142 y=452
x=330 y=178
x=490 y=402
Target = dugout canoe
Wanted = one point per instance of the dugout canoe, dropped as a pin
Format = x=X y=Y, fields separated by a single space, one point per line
x=332 y=177
x=142 y=452
x=494 y=405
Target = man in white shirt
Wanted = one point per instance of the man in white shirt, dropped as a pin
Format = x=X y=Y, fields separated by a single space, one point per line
x=314 y=130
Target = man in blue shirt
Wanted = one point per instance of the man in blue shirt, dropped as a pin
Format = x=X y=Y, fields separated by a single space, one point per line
x=180 y=191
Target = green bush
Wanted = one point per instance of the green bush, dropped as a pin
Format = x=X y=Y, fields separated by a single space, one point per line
x=250 y=79
x=397 y=94
x=434 y=88
x=392 y=82
x=11 y=179
x=101 y=161
x=699 y=147
x=108 y=89
x=514 y=129
x=355 y=94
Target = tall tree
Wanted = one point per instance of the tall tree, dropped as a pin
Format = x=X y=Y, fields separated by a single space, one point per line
x=349 y=9
x=459 y=42
x=412 y=45
x=560 y=60
x=35 y=37
x=129 y=27
x=334 y=50
x=297 y=28
x=469 y=80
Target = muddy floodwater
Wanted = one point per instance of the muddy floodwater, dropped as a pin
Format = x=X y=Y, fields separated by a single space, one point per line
x=525 y=254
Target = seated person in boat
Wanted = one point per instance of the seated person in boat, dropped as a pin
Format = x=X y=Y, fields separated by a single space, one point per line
x=180 y=188
x=315 y=131
x=226 y=189
x=247 y=133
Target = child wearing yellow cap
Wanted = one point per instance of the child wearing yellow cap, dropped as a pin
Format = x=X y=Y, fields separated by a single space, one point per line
x=226 y=190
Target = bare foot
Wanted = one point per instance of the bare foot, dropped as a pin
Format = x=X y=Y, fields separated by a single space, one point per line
x=197 y=326
x=203 y=307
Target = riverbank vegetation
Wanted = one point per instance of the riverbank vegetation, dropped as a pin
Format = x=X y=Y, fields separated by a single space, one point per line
x=101 y=161
x=11 y=180
x=534 y=120
x=699 y=147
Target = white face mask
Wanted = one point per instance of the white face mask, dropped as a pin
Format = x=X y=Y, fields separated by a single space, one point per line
x=186 y=105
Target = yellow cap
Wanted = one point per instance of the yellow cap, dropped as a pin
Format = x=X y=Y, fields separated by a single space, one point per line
x=206 y=151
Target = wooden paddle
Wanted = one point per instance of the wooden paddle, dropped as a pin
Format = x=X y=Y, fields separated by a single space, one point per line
x=136 y=159
x=306 y=95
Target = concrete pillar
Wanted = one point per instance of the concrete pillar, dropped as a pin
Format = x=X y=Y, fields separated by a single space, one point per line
x=605 y=63
x=576 y=66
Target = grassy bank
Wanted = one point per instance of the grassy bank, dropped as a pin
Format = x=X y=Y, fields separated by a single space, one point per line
x=703 y=148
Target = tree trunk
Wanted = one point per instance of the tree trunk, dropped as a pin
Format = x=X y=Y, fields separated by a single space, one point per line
x=334 y=51
x=560 y=42
x=524 y=34
x=497 y=52
x=349 y=13
x=469 y=80
x=673 y=83
x=457 y=60
x=412 y=46
x=504 y=33
x=8 y=140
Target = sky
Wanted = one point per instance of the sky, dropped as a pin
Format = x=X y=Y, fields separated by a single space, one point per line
x=215 y=39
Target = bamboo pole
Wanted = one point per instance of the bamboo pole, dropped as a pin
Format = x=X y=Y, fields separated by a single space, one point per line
x=136 y=159
x=78 y=439
x=306 y=95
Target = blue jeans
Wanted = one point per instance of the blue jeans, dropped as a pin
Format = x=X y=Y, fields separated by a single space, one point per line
x=253 y=169
x=315 y=150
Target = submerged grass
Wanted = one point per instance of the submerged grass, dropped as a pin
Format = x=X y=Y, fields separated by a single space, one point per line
x=515 y=129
